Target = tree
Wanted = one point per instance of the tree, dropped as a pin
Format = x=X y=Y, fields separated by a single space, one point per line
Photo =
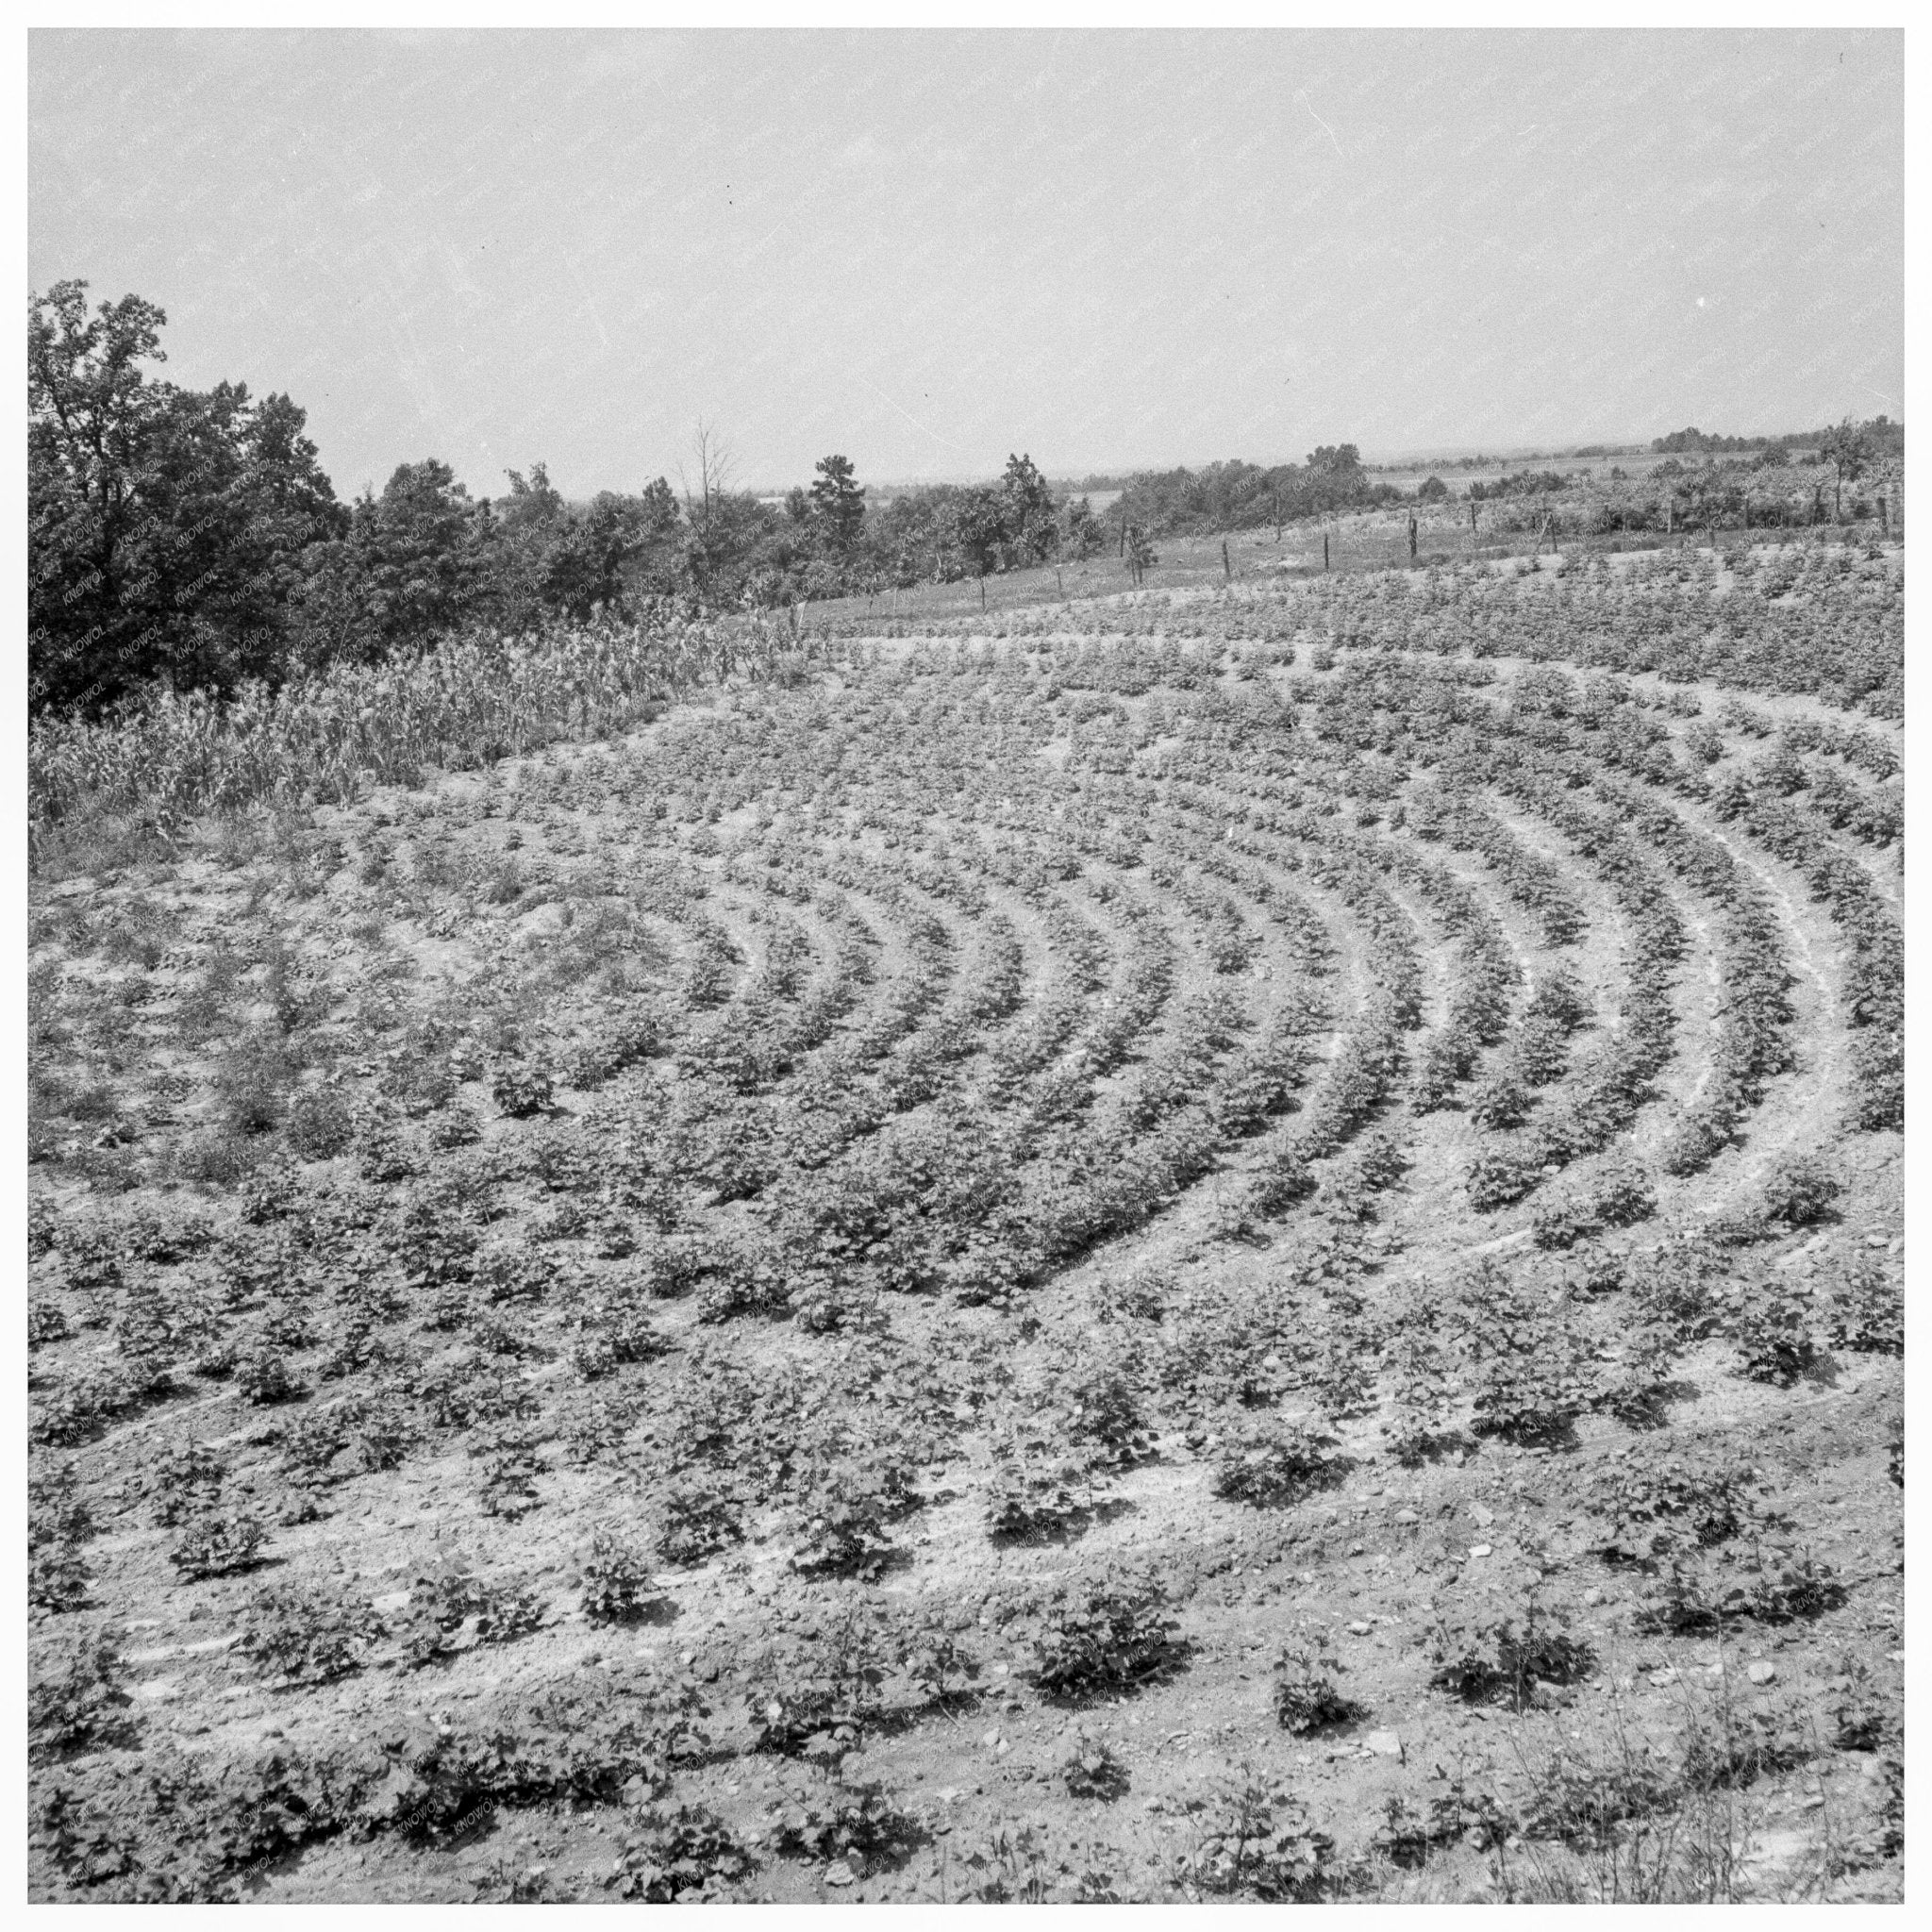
x=166 y=528
x=837 y=502
x=1848 y=450
x=1080 y=535
x=1026 y=510
x=1431 y=489
x=975 y=524
x=713 y=460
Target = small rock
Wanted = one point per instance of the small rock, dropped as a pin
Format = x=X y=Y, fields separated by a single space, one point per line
x=1407 y=1516
x=1666 y=1675
x=1481 y=1515
x=840 y=1873
x=1480 y=1550
x=1360 y=1629
x=1592 y=1597
x=1761 y=1673
x=1383 y=1744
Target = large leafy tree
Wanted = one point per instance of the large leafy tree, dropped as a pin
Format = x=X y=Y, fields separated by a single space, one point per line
x=166 y=527
x=1027 y=511
x=1847 y=448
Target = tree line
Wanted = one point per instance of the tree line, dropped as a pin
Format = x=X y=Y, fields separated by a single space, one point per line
x=192 y=537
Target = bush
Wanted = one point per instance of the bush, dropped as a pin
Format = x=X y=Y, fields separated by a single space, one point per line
x=1507 y=1654
x=520 y=1089
x=1030 y=1498
x=306 y=1635
x=1658 y=1509
x=319 y=1125
x=1800 y=1191
x=859 y=1823
x=1255 y=1842
x=1274 y=1467
x=75 y=1685
x=617 y=1582
x=669 y=1857
x=1775 y=1586
x=510 y=1469
x=186 y=1481
x=1109 y=1634
x=1868 y=1309
x=815 y=1699
x=845 y=1515
x=698 y=1522
x=59 y=1524
x=215 y=1542
x=1306 y=1697
x=1092 y=1770
x=451 y=1608
x=263 y=1376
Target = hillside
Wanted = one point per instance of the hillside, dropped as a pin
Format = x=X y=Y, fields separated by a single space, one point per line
x=1237 y=1241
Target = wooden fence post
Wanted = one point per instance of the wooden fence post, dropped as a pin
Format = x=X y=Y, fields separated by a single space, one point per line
x=1411 y=536
x=1227 y=568
x=1325 y=549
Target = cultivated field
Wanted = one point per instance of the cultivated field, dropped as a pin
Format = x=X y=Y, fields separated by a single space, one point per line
x=1238 y=1241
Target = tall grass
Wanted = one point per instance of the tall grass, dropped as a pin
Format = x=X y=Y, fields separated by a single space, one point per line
x=459 y=702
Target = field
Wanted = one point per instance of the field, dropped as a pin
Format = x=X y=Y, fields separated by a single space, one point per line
x=1237 y=1241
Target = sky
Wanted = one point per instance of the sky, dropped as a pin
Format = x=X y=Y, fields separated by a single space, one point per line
x=925 y=250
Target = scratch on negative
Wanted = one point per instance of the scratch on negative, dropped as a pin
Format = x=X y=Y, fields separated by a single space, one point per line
x=1301 y=94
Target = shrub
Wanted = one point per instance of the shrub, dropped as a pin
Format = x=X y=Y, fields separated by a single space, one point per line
x=80 y=1408
x=1031 y=1497
x=1773 y=1332
x=75 y=1685
x=1587 y=1803
x=1256 y=1841
x=510 y=1469
x=860 y=1824
x=1092 y=1770
x=1659 y=1509
x=1107 y=1634
x=454 y=1126
x=385 y=1153
x=58 y=1523
x=1274 y=1467
x=187 y=1480
x=845 y=1515
x=451 y=1608
x=698 y=1522
x=263 y=1376
x=1800 y=1191
x=1306 y=1697
x=520 y=1089
x=215 y=1542
x=815 y=1698
x=1775 y=1586
x=1507 y=1653
x=1456 y=1815
x=306 y=1635
x=1868 y=1309
x=617 y=1582
x=319 y=1125
x=673 y=1855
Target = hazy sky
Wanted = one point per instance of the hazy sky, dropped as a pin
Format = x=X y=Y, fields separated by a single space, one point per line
x=926 y=250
